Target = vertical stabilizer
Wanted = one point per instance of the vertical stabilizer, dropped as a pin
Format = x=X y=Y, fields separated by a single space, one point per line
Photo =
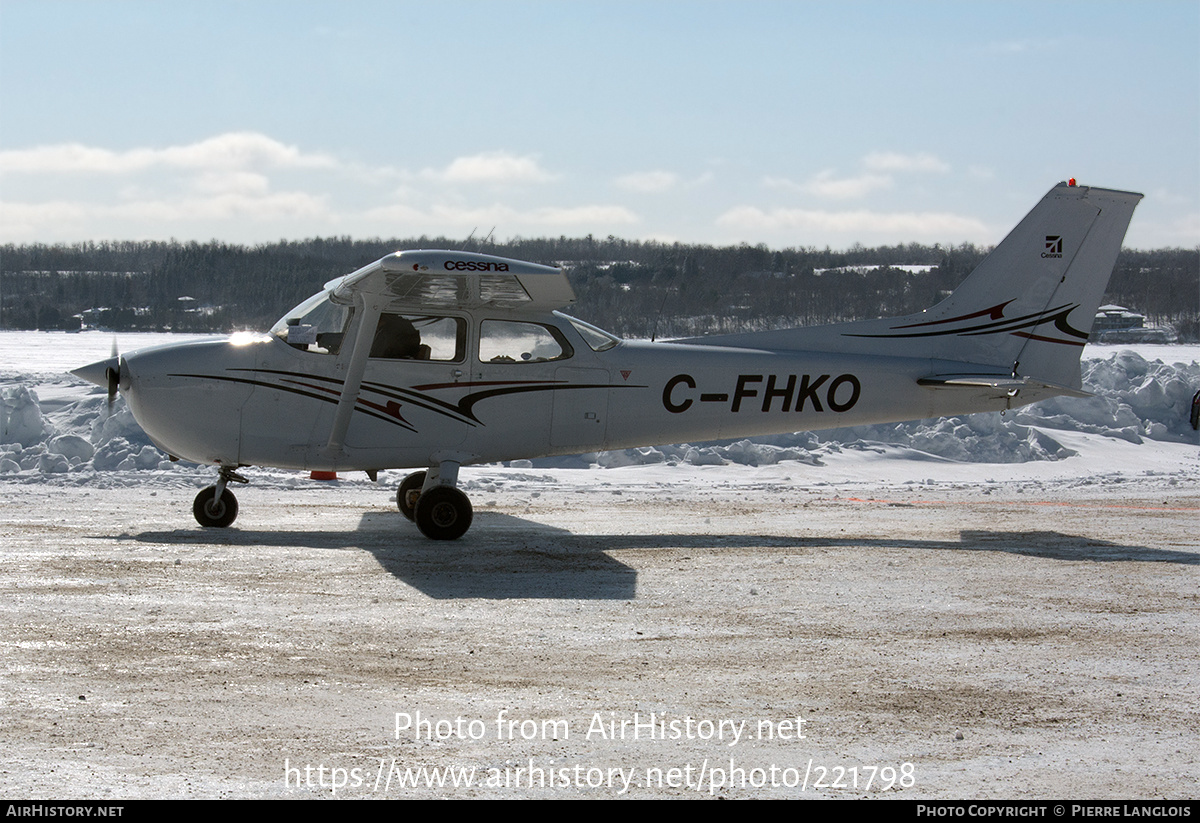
x=1030 y=304
x=1025 y=310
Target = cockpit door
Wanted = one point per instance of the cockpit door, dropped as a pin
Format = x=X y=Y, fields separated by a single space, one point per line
x=411 y=383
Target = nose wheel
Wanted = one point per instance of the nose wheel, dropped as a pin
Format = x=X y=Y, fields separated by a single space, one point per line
x=215 y=506
x=212 y=511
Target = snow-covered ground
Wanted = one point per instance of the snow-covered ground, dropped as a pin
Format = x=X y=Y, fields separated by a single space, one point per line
x=988 y=607
x=55 y=428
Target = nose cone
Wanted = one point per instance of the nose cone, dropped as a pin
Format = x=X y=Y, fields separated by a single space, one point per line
x=99 y=371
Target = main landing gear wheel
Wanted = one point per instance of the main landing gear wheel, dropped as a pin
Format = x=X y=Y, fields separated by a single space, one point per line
x=443 y=513
x=408 y=494
x=212 y=511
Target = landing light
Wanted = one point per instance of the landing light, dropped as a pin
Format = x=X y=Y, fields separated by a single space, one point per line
x=245 y=338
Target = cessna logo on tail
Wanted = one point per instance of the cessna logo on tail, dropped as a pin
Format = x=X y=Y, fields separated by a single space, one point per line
x=1053 y=246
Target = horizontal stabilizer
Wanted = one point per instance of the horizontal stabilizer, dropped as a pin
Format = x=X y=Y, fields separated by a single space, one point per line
x=997 y=382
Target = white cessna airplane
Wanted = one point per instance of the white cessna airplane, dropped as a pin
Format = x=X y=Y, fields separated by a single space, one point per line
x=440 y=359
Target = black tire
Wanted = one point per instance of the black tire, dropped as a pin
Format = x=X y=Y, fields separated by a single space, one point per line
x=407 y=494
x=213 y=513
x=443 y=513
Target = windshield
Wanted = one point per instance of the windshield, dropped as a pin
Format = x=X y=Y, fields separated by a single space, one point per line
x=317 y=325
x=597 y=339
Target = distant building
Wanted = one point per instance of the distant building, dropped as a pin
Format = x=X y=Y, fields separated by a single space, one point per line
x=1117 y=324
x=1116 y=318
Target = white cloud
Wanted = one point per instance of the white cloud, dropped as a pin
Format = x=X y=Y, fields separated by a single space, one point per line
x=1172 y=197
x=491 y=167
x=244 y=150
x=878 y=174
x=235 y=150
x=222 y=206
x=233 y=185
x=1181 y=231
x=506 y=218
x=219 y=206
x=21 y=222
x=240 y=182
x=73 y=190
x=895 y=161
x=154 y=216
x=825 y=184
x=647 y=182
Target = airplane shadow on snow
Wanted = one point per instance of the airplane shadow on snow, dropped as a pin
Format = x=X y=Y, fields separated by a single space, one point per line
x=505 y=556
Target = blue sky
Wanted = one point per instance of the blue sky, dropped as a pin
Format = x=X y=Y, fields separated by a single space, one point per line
x=786 y=123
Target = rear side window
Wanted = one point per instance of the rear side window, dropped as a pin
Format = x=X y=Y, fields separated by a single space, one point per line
x=511 y=341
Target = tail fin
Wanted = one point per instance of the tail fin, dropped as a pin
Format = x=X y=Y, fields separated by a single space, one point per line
x=1030 y=304
x=1025 y=310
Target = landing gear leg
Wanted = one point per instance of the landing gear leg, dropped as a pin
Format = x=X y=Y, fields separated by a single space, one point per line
x=441 y=512
x=215 y=506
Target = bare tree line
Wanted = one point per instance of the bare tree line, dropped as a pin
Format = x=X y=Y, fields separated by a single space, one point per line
x=634 y=288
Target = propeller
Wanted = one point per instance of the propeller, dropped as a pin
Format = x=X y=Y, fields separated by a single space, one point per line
x=112 y=376
x=104 y=373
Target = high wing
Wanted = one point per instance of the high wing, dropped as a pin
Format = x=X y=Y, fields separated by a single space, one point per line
x=445 y=279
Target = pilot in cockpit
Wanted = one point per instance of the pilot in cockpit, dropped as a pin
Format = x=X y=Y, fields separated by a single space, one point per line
x=397 y=338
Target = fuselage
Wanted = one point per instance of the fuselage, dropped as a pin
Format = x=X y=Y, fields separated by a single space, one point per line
x=260 y=400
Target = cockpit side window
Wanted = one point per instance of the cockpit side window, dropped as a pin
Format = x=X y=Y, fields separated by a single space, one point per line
x=419 y=337
x=511 y=341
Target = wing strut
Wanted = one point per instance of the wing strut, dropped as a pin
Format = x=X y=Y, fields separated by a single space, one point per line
x=363 y=338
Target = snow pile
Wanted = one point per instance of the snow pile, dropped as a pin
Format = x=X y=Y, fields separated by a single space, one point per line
x=79 y=434
x=975 y=438
x=21 y=420
x=1135 y=398
x=760 y=451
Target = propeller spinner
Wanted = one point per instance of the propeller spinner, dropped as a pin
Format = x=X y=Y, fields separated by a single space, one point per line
x=104 y=373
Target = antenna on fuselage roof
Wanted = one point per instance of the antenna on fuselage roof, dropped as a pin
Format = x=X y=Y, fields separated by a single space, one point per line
x=658 y=314
x=481 y=243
